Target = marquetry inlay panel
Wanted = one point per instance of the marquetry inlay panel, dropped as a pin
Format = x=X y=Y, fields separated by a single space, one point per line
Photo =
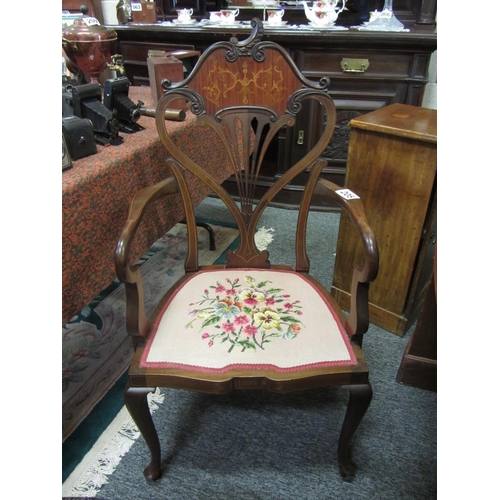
x=245 y=82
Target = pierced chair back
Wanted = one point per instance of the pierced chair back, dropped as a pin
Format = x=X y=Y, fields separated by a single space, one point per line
x=247 y=92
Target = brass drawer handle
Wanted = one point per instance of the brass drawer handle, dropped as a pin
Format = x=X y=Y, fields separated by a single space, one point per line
x=354 y=65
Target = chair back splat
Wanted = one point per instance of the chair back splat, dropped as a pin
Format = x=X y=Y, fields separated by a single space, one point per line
x=246 y=324
x=247 y=92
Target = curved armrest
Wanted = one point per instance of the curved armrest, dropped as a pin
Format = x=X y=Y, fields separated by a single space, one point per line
x=137 y=322
x=138 y=205
x=358 y=319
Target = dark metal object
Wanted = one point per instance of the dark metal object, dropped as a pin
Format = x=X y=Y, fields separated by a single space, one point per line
x=79 y=136
x=116 y=99
x=87 y=103
x=66 y=158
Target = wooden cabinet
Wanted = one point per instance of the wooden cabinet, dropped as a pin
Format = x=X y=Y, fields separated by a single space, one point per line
x=135 y=55
x=392 y=166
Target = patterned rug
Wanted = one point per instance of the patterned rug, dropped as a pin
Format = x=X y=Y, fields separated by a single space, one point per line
x=96 y=349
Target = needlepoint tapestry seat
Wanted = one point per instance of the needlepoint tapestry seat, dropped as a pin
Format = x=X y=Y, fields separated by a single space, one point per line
x=247 y=319
x=249 y=323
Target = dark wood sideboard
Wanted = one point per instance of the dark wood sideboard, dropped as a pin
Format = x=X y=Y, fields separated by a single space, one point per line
x=396 y=72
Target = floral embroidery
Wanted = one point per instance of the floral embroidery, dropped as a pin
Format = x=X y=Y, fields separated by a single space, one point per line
x=247 y=316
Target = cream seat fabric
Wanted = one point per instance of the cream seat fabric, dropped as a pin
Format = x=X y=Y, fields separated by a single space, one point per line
x=250 y=318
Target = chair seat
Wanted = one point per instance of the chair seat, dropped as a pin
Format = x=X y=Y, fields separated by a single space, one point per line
x=247 y=319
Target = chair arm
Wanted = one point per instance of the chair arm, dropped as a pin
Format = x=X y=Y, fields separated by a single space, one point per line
x=138 y=205
x=137 y=322
x=358 y=320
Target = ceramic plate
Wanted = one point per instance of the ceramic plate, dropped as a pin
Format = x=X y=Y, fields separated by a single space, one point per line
x=265 y=3
x=222 y=23
x=330 y=26
x=180 y=23
x=267 y=24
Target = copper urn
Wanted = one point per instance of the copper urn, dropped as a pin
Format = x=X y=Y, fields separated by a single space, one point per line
x=89 y=46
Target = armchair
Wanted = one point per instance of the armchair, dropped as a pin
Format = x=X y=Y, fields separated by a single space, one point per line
x=250 y=323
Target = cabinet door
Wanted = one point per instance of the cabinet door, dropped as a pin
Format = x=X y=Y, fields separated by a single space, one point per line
x=353 y=99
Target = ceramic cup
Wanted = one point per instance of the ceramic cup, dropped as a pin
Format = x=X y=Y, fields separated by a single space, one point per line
x=184 y=15
x=229 y=16
x=275 y=16
x=215 y=16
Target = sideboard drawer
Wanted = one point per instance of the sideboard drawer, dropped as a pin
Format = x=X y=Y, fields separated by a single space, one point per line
x=380 y=65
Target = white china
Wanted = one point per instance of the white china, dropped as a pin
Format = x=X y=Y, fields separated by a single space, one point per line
x=323 y=12
x=274 y=17
x=215 y=16
x=269 y=25
x=265 y=3
x=184 y=15
x=229 y=16
x=184 y=23
x=322 y=18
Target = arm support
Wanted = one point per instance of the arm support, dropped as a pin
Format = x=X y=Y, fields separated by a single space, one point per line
x=358 y=320
x=137 y=322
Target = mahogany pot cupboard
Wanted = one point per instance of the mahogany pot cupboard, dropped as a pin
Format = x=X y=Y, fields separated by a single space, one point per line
x=393 y=167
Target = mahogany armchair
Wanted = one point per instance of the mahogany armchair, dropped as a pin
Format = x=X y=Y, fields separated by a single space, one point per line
x=248 y=324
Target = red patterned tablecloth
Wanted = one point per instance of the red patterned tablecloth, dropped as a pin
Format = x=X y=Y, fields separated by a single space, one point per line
x=96 y=193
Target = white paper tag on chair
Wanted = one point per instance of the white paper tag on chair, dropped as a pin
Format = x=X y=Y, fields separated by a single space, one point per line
x=347 y=194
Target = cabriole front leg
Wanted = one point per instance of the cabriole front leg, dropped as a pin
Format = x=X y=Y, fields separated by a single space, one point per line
x=137 y=404
x=360 y=397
